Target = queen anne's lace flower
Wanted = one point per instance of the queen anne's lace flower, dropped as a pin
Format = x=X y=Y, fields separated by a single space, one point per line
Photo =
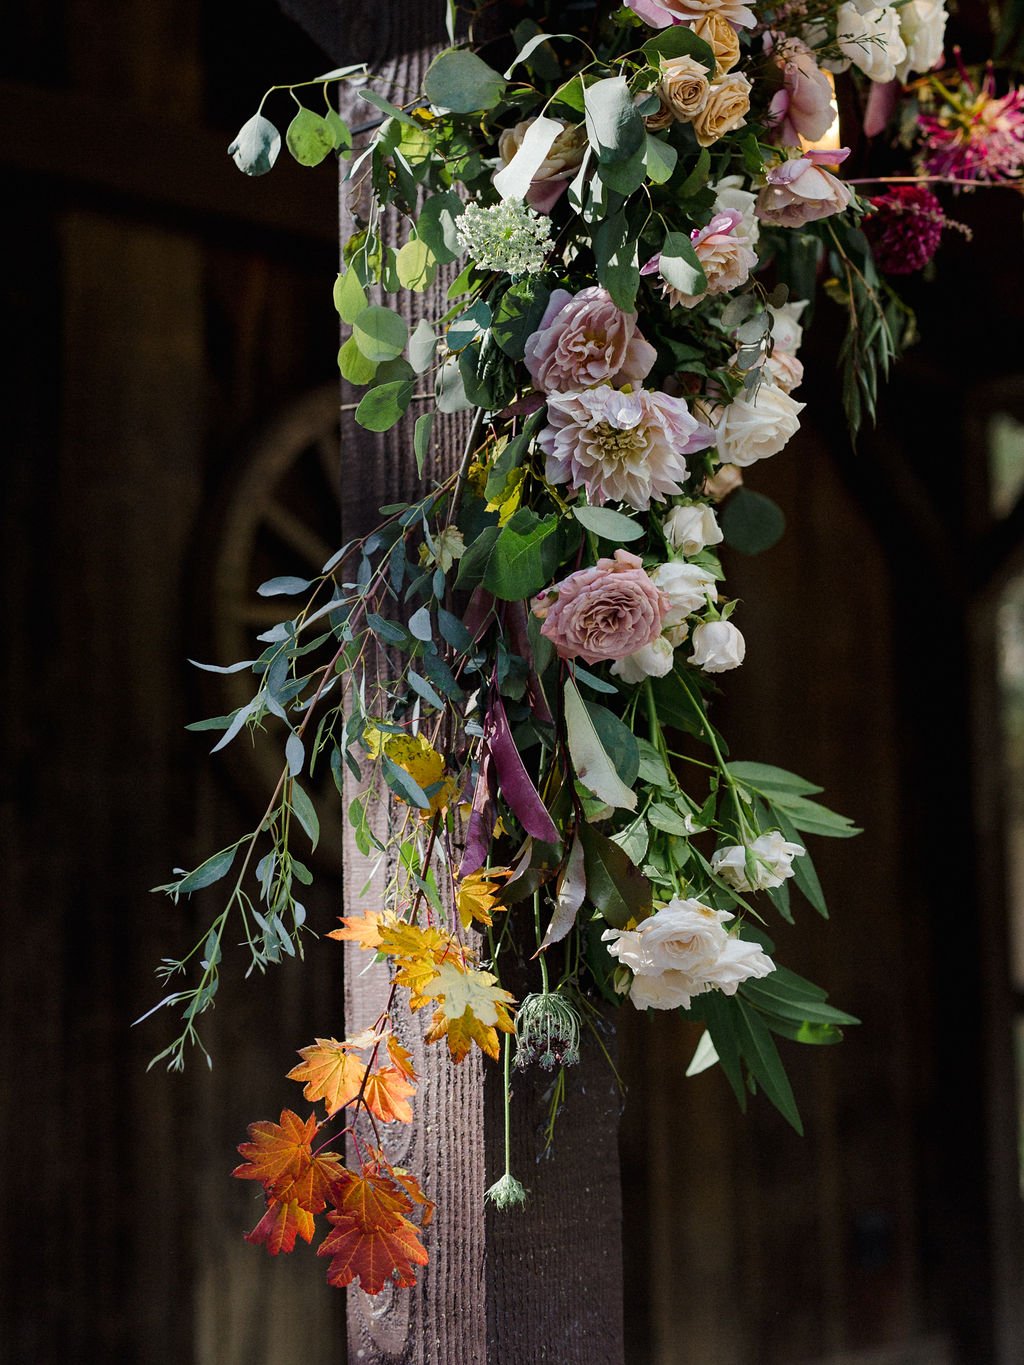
x=507 y=236
x=621 y=447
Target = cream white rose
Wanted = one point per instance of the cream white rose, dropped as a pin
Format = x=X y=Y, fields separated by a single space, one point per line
x=753 y=428
x=681 y=951
x=787 y=333
x=686 y=586
x=718 y=647
x=871 y=40
x=652 y=661
x=692 y=527
x=730 y=196
x=923 y=29
x=771 y=854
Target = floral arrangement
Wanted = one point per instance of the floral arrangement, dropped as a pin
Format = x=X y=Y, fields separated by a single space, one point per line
x=511 y=677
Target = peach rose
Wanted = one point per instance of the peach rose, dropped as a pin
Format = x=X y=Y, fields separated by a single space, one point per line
x=726 y=110
x=721 y=38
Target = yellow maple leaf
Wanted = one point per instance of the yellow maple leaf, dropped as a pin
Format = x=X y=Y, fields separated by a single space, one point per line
x=425 y=766
x=473 y=1007
x=476 y=897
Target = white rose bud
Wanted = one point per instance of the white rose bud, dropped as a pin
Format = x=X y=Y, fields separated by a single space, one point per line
x=690 y=528
x=717 y=647
x=773 y=857
x=652 y=661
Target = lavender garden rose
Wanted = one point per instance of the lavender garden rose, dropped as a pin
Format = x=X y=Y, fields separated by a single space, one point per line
x=801 y=191
x=621 y=447
x=584 y=339
x=604 y=612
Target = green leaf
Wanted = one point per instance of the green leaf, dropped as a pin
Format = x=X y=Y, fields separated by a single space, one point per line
x=679 y=41
x=341 y=135
x=591 y=762
x=305 y=813
x=256 y=147
x=423 y=688
x=771 y=781
x=422 y=347
x=349 y=296
x=460 y=81
x=525 y=556
x=385 y=405
x=665 y=817
x=777 y=998
x=380 y=333
x=216 y=867
x=698 y=177
x=309 y=138
x=762 y=1057
x=354 y=366
x=615 y=886
x=603 y=521
x=625 y=176
x=451 y=391
x=403 y=785
x=680 y=265
x=513 y=180
x=416 y=265
x=421 y=440
x=473 y=564
x=519 y=315
x=286 y=585
x=618 y=740
x=660 y=159
x=435 y=225
x=614 y=128
x=752 y=523
x=813 y=818
x=295 y=753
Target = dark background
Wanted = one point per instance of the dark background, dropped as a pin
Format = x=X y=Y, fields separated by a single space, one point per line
x=168 y=429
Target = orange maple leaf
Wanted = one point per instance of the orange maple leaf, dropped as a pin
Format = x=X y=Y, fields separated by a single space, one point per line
x=283 y=1221
x=370 y=1197
x=414 y=1189
x=364 y=929
x=312 y=1185
x=331 y=1073
x=401 y=1057
x=387 y=1095
x=278 y=1152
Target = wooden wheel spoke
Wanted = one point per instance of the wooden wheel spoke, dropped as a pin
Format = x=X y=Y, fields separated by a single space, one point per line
x=295 y=533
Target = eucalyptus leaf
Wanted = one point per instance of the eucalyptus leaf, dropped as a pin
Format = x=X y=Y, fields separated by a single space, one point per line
x=287 y=585
x=209 y=872
x=309 y=138
x=752 y=523
x=514 y=180
x=384 y=405
x=519 y=315
x=660 y=159
x=256 y=147
x=295 y=754
x=422 y=347
x=349 y=296
x=615 y=129
x=416 y=265
x=380 y=333
x=680 y=265
x=462 y=82
x=354 y=366
x=421 y=440
x=305 y=813
x=606 y=522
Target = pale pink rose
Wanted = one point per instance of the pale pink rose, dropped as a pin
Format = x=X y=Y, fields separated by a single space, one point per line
x=605 y=612
x=727 y=259
x=621 y=447
x=799 y=191
x=661 y=13
x=583 y=340
x=725 y=480
x=786 y=370
x=802 y=109
x=558 y=167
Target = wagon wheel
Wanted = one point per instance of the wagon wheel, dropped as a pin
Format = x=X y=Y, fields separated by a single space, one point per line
x=281 y=515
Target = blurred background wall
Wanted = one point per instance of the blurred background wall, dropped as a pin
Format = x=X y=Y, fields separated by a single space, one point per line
x=170 y=439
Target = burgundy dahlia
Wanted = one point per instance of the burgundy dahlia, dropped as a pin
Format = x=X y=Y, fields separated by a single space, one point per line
x=905 y=228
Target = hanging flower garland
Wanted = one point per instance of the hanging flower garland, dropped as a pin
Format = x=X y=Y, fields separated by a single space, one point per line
x=522 y=659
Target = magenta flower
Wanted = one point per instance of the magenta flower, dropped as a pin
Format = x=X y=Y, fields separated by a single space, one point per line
x=978 y=137
x=905 y=228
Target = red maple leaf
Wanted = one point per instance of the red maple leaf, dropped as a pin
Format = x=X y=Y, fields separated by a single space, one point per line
x=375 y=1255
x=283 y=1221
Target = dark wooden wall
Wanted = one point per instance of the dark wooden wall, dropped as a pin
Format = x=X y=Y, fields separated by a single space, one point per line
x=160 y=310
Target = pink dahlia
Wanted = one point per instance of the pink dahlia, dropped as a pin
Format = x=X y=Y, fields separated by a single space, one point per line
x=976 y=137
x=905 y=228
x=604 y=612
x=621 y=447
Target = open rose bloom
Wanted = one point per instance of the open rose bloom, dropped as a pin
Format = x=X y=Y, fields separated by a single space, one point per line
x=605 y=612
x=584 y=339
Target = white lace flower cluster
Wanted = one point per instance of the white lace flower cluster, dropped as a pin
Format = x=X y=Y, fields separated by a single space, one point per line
x=507 y=236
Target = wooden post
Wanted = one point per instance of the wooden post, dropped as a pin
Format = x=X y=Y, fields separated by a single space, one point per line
x=524 y=1286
